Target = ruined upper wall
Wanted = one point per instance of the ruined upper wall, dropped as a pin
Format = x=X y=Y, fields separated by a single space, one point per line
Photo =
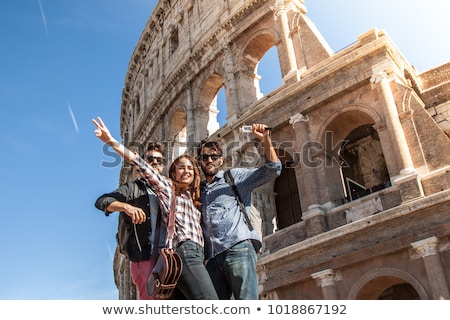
x=181 y=39
x=436 y=76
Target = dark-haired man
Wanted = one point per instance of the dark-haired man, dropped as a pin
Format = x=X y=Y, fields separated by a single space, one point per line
x=231 y=246
x=139 y=207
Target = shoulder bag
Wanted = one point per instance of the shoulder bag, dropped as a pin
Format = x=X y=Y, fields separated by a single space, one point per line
x=168 y=266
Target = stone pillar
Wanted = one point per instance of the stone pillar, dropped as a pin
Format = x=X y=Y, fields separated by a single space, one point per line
x=308 y=178
x=315 y=220
x=263 y=199
x=232 y=92
x=326 y=279
x=428 y=250
x=192 y=138
x=162 y=44
x=410 y=187
x=287 y=49
x=305 y=170
x=122 y=277
x=383 y=78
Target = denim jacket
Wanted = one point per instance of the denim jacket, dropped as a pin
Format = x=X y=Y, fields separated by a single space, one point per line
x=223 y=222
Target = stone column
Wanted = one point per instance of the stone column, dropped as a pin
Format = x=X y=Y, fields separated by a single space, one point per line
x=232 y=92
x=382 y=76
x=408 y=180
x=306 y=171
x=192 y=138
x=280 y=13
x=326 y=279
x=263 y=198
x=309 y=179
x=428 y=250
x=122 y=277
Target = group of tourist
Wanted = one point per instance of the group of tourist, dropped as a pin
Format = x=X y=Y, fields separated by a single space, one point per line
x=218 y=247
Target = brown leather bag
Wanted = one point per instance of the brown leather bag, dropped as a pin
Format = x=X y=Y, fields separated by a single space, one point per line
x=165 y=274
x=168 y=267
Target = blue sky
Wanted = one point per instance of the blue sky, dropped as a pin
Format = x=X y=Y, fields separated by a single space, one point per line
x=62 y=63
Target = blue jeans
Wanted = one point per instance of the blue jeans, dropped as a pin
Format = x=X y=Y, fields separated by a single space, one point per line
x=233 y=272
x=194 y=283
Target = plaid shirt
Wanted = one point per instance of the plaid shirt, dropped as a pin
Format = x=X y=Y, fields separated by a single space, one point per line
x=187 y=216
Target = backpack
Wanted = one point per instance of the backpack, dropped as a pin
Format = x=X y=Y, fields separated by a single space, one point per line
x=123 y=233
x=125 y=227
x=253 y=221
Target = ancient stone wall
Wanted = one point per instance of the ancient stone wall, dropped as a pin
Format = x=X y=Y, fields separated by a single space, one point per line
x=361 y=208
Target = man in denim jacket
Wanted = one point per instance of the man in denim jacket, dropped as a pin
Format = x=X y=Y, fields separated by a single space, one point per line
x=231 y=247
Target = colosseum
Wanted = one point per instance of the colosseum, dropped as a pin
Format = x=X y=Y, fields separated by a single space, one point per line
x=361 y=209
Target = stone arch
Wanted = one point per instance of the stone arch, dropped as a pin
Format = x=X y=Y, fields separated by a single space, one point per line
x=287 y=201
x=205 y=111
x=177 y=135
x=259 y=42
x=255 y=47
x=373 y=283
x=208 y=88
x=357 y=109
x=333 y=137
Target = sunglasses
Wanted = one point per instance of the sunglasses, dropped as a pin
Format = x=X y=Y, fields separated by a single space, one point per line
x=205 y=157
x=159 y=160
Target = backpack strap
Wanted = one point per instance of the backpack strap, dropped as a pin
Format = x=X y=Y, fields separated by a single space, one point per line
x=171 y=221
x=140 y=188
x=155 y=252
x=230 y=180
x=154 y=255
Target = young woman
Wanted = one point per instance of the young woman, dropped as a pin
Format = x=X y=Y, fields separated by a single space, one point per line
x=184 y=180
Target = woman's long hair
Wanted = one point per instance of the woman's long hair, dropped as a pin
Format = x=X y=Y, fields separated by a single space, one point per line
x=194 y=187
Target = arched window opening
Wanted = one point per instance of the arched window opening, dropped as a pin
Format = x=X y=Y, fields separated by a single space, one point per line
x=138 y=106
x=391 y=287
x=288 y=205
x=403 y=291
x=180 y=143
x=260 y=55
x=269 y=71
x=221 y=107
x=209 y=101
x=363 y=167
x=213 y=124
x=178 y=134
x=174 y=41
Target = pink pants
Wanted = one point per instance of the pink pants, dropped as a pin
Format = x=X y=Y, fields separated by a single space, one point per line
x=140 y=271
